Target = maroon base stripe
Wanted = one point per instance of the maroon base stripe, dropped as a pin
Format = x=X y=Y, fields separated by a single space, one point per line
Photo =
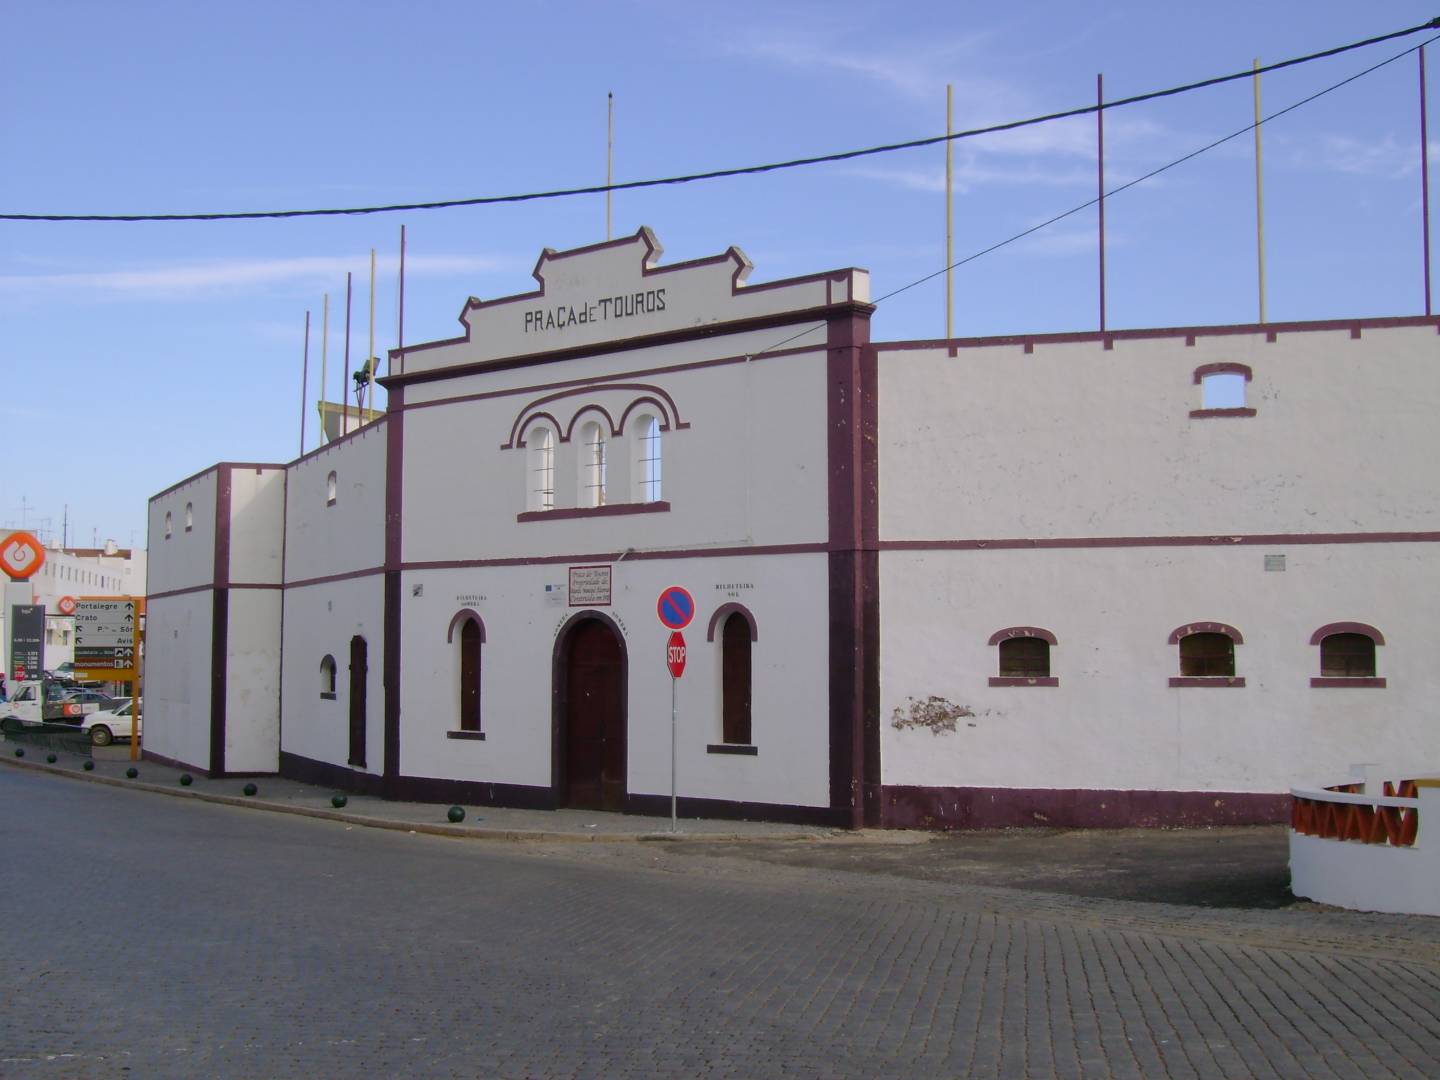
x=907 y=807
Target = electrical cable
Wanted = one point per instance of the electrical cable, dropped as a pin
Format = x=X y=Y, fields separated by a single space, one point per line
x=1115 y=191
x=747 y=170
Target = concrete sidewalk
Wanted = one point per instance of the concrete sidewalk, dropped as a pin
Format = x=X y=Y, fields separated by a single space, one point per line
x=279 y=795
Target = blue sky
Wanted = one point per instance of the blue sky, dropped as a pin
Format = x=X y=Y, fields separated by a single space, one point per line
x=136 y=354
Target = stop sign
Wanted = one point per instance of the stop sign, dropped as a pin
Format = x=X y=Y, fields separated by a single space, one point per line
x=675 y=654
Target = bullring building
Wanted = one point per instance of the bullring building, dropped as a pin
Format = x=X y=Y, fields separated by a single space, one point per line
x=1131 y=577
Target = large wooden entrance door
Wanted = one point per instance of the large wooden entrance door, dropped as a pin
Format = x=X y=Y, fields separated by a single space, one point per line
x=593 y=769
x=359 y=668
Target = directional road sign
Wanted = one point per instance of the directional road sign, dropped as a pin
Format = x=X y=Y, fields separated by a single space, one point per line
x=105 y=637
x=676 y=608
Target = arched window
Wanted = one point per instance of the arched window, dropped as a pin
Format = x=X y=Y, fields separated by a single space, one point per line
x=645 y=469
x=327 y=677
x=1222 y=389
x=1347 y=655
x=735 y=680
x=189 y=516
x=540 y=471
x=1207 y=654
x=470 y=641
x=1024 y=657
x=592 y=465
x=330 y=489
x=169 y=524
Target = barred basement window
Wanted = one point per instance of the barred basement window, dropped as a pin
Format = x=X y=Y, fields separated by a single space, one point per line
x=1207 y=655
x=1024 y=658
x=327 y=678
x=1347 y=656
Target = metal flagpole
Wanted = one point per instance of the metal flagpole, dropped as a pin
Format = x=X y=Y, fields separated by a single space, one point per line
x=1259 y=196
x=370 y=353
x=1100 y=181
x=304 y=382
x=949 y=212
x=400 y=332
x=1425 y=179
x=609 y=157
x=345 y=381
x=324 y=357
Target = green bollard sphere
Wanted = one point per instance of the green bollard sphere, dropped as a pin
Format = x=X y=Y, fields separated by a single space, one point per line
x=132 y=772
x=455 y=814
x=19 y=751
x=338 y=801
x=186 y=779
x=88 y=766
x=250 y=789
x=50 y=758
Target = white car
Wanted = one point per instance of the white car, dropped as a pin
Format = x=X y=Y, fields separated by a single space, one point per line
x=108 y=725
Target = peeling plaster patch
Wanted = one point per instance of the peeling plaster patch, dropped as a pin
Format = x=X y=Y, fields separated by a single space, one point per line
x=935 y=713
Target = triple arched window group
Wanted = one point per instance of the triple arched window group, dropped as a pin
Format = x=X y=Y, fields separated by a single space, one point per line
x=1205 y=653
x=593 y=485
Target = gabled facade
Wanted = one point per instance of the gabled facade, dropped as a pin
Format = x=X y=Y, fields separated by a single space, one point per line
x=973 y=582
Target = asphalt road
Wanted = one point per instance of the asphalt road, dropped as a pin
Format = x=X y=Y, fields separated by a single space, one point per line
x=155 y=937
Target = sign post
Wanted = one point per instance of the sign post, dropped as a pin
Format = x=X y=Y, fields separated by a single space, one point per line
x=676 y=607
x=107 y=647
x=21 y=555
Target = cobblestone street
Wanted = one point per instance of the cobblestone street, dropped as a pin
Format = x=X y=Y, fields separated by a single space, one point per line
x=154 y=937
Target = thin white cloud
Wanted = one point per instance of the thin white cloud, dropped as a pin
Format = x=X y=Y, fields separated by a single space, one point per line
x=1386 y=157
x=182 y=278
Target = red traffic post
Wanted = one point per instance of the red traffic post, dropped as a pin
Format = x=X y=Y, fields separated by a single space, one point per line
x=675 y=654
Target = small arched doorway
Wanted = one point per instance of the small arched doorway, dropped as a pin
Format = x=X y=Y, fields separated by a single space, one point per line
x=359 y=669
x=590 y=695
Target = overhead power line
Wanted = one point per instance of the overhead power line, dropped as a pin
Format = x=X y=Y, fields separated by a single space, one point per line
x=746 y=170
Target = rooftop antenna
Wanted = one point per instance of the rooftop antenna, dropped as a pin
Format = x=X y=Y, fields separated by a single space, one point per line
x=345 y=379
x=949 y=211
x=304 y=382
x=324 y=356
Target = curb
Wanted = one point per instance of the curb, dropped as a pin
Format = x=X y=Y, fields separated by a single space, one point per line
x=516 y=836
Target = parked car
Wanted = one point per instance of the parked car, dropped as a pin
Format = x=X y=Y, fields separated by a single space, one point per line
x=83 y=696
x=107 y=725
x=25 y=708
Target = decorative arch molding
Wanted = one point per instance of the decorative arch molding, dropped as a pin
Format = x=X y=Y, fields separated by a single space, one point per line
x=640 y=403
x=538 y=418
x=1347 y=628
x=1205 y=628
x=723 y=612
x=1224 y=367
x=587 y=411
x=657 y=396
x=459 y=619
x=1022 y=631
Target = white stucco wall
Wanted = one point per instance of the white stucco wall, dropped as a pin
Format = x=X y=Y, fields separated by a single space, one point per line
x=1077 y=441
x=257 y=524
x=320 y=620
x=786 y=594
x=252 y=681
x=322 y=540
x=186 y=559
x=176 y=719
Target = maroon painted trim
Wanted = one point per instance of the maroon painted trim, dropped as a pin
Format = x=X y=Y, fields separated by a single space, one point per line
x=1223 y=367
x=595 y=380
x=669 y=413
x=207 y=587
x=630 y=556
x=180 y=484
x=470 y=736
x=819 y=316
x=255 y=585
x=1022 y=631
x=1220 y=330
x=169 y=762
x=915 y=807
x=739 y=749
x=1013 y=680
x=1232 y=540
x=348 y=575
x=1347 y=628
x=723 y=612
x=459 y=617
x=1321 y=682
x=647 y=399
x=1204 y=628
x=588 y=407
x=530 y=422
x=1211 y=414
x=1207 y=680
x=729 y=810
x=327 y=774
x=222 y=527
x=219 y=672
x=258 y=466
x=391 y=632
x=659 y=506
x=559 y=679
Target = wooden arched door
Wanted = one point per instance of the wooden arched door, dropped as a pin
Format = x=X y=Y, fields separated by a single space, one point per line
x=591 y=743
x=359 y=669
